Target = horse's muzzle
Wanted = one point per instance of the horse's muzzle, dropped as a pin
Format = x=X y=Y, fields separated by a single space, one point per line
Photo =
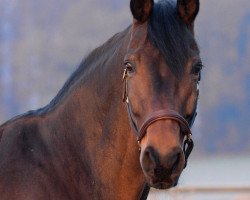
x=162 y=171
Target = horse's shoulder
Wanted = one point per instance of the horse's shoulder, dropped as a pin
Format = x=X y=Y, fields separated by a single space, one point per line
x=22 y=150
x=22 y=139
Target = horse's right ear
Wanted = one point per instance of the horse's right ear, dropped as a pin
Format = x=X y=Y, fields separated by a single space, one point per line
x=187 y=10
x=141 y=9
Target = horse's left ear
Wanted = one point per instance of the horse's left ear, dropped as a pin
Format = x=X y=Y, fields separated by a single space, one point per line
x=141 y=9
x=188 y=10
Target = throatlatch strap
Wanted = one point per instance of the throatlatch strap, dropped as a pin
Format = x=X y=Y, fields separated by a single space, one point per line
x=145 y=192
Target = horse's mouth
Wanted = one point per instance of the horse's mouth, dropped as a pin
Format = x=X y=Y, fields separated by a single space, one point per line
x=158 y=183
x=162 y=178
x=162 y=186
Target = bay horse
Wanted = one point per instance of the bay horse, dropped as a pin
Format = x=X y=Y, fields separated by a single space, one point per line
x=139 y=88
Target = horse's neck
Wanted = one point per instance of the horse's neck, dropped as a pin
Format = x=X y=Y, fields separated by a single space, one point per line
x=94 y=119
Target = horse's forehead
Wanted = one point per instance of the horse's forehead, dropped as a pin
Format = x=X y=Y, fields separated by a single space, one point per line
x=138 y=36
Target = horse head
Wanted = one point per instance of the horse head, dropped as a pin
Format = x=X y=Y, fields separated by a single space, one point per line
x=161 y=76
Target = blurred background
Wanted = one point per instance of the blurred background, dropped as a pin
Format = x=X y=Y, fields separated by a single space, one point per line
x=43 y=42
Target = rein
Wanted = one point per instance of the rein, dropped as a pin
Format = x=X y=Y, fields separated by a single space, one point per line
x=156 y=116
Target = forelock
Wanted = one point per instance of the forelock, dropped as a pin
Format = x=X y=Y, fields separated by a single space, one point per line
x=171 y=36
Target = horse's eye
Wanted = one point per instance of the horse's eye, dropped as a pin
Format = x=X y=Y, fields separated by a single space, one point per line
x=196 y=70
x=130 y=68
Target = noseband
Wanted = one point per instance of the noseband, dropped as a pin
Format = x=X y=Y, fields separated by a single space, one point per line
x=164 y=114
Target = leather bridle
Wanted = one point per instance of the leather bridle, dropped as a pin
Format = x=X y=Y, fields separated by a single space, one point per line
x=156 y=116
x=161 y=115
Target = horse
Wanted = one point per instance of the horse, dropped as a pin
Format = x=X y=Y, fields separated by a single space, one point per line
x=120 y=124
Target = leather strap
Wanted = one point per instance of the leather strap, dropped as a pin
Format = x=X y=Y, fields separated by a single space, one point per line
x=161 y=115
x=144 y=193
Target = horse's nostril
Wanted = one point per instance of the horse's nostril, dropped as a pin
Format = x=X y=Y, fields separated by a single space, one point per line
x=176 y=162
x=150 y=159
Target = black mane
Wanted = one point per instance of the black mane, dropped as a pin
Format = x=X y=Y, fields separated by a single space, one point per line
x=86 y=66
x=171 y=36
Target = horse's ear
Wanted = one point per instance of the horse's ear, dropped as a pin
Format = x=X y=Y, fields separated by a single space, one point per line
x=188 y=10
x=141 y=9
